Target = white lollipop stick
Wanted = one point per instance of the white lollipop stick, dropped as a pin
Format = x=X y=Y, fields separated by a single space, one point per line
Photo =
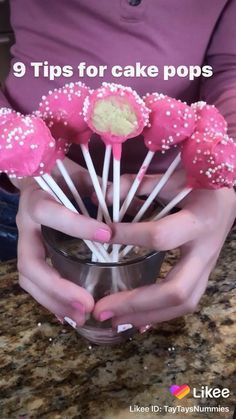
x=95 y=182
x=153 y=195
x=136 y=183
x=43 y=185
x=101 y=253
x=157 y=188
x=105 y=172
x=116 y=190
x=181 y=195
x=72 y=187
x=116 y=194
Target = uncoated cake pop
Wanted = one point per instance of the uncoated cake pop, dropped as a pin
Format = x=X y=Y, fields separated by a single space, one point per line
x=115 y=112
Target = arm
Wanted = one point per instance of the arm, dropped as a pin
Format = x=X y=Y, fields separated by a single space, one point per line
x=220 y=89
x=199 y=228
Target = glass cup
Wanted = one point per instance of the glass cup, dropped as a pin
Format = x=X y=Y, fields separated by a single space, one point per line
x=72 y=260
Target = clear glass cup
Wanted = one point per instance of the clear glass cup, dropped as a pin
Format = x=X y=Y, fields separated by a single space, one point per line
x=72 y=260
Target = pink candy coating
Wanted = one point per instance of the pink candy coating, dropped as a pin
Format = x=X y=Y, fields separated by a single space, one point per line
x=171 y=122
x=7 y=114
x=124 y=95
x=208 y=119
x=209 y=161
x=62 y=110
x=27 y=147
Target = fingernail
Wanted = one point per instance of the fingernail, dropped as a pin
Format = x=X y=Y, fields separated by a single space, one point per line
x=78 y=306
x=102 y=235
x=105 y=315
x=144 y=329
x=123 y=327
x=71 y=322
x=60 y=319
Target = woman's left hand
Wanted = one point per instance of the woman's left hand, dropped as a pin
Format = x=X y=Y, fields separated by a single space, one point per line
x=199 y=229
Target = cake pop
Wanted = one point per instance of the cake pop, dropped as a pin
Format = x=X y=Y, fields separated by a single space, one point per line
x=210 y=163
x=27 y=148
x=62 y=111
x=208 y=119
x=116 y=113
x=7 y=114
x=62 y=108
x=171 y=122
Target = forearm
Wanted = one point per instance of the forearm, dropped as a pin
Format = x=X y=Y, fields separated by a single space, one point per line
x=3 y=101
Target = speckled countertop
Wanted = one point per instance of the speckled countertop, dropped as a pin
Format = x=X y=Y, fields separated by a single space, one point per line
x=49 y=371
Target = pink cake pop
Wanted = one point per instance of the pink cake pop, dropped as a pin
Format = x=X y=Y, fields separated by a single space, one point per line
x=210 y=161
x=7 y=114
x=171 y=122
x=116 y=113
x=27 y=147
x=62 y=109
x=208 y=119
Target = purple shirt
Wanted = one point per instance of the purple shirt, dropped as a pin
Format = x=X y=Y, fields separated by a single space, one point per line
x=105 y=32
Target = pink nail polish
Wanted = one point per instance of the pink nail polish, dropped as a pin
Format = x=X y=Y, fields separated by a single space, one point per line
x=102 y=235
x=78 y=306
x=105 y=315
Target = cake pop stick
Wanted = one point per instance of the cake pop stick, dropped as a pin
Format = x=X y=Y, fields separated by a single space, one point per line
x=28 y=149
x=62 y=109
x=97 y=249
x=136 y=183
x=116 y=113
x=210 y=163
x=105 y=172
x=72 y=187
x=170 y=122
x=160 y=184
x=95 y=181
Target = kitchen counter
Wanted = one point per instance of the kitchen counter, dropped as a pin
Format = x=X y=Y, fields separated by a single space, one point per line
x=48 y=371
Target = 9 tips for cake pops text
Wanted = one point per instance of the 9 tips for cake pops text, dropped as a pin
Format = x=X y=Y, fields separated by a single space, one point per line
x=139 y=70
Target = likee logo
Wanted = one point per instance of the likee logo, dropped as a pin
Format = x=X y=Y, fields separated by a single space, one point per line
x=180 y=391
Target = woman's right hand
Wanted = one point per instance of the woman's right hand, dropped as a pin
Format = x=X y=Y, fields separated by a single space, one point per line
x=36 y=208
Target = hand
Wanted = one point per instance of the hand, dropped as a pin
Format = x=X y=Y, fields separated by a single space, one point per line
x=37 y=207
x=199 y=229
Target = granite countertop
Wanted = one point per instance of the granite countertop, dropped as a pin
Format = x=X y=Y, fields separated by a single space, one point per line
x=48 y=371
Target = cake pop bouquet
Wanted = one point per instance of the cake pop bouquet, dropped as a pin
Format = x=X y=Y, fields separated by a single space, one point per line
x=33 y=145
